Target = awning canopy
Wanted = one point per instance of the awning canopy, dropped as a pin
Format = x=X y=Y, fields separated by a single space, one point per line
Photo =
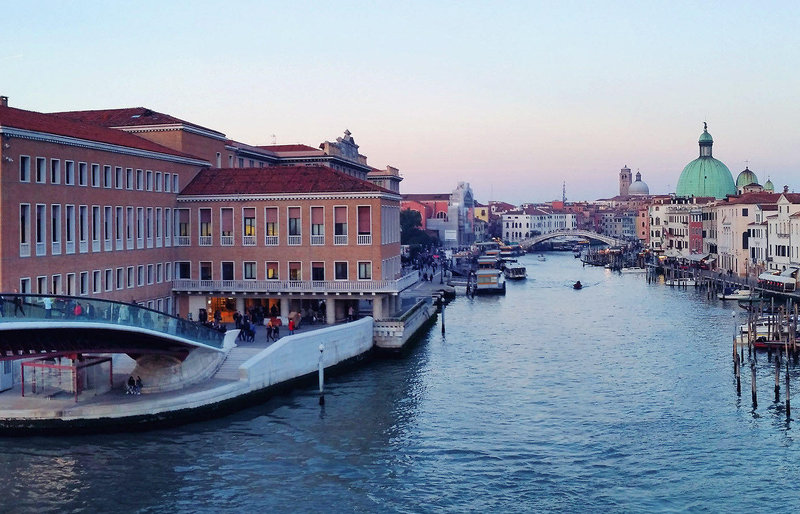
x=697 y=257
x=769 y=277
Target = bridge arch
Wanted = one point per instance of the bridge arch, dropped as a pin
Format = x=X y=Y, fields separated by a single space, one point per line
x=611 y=241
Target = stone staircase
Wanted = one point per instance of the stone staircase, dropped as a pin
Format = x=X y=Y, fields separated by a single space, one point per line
x=236 y=357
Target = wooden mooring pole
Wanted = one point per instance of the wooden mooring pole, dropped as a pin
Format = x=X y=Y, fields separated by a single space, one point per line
x=737 y=369
x=753 y=385
x=788 y=400
x=777 y=378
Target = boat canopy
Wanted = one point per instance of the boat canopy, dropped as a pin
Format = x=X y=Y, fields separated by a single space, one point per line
x=769 y=277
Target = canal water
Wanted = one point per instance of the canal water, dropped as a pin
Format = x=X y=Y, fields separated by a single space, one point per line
x=617 y=397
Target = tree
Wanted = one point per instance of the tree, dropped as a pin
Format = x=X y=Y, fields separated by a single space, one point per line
x=410 y=231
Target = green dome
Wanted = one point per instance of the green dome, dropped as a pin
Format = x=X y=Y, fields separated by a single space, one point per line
x=745 y=178
x=706 y=176
x=769 y=187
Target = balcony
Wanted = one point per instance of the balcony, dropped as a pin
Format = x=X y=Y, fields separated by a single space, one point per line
x=364 y=239
x=294 y=240
x=248 y=240
x=340 y=239
x=183 y=241
x=271 y=241
x=318 y=240
x=226 y=240
x=266 y=287
x=204 y=240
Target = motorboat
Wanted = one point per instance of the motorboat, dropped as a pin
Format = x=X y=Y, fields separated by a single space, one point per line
x=633 y=270
x=541 y=258
x=515 y=271
x=739 y=294
x=681 y=282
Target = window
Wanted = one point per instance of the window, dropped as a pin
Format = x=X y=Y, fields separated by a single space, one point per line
x=109 y=277
x=168 y=271
x=107 y=177
x=140 y=275
x=128 y=178
x=24 y=223
x=83 y=225
x=41 y=225
x=70 y=235
x=24 y=168
x=205 y=271
x=294 y=226
x=149 y=180
x=175 y=183
x=744 y=211
x=96 y=227
x=226 y=226
x=365 y=271
x=82 y=178
x=55 y=170
x=119 y=221
x=272 y=271
x=167 y=180
x=150 y=276
x=317 y=226
x=55 y=283
x=120 y=278
x=340 y=225
x=249 y=219
x=340 y=270
x=271 y=226
x=24 y=285
x=130 y=277
x=41 y=285
x=219 y=160
x=55 y=228
x=317 y=271
x=364 y=225
x=69 y=177
x=139 y=180
x=95 y=175
x=249 y=270
x=205 y=227
x=118 y=178
x=139 y=227
x=295 y=271
x=158 y=181
x=84 y=283
x=183 y=270
x=41 y=171
x=227 y=270
x=159 y=273
x=129 y=226
x=97 y=283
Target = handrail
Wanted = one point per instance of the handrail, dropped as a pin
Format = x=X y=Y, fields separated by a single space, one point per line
x=61 y=309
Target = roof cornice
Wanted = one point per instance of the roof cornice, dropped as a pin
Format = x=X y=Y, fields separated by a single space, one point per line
x=173 y=126
x=288 y=197
x=98 y=145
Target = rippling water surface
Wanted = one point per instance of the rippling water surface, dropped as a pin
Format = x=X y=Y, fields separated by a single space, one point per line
x=617 y=397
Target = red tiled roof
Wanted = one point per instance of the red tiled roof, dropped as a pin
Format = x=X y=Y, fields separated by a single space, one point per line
x=128 y=117
x=52 y=124
x=276 y=180
x=754 y=197
x=289 y=148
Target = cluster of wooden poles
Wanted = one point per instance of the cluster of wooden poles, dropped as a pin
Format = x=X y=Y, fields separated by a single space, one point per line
x=777 y=338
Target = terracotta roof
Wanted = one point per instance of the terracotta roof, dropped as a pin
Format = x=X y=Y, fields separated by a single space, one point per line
x=290 y=148
x=276 y=180
x=128 y=117
x=52 y=124
x=768 y=207
x=427 y=197
x=753 y=198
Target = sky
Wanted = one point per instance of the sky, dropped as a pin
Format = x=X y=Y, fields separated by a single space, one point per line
x=514 y=97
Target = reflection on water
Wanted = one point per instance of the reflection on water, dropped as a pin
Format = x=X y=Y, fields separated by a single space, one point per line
x=619 y=396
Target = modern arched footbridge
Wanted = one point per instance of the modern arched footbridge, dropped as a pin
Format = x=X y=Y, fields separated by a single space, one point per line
x=39 y=325
x=611 y=241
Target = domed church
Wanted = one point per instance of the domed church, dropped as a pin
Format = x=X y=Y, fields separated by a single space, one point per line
x=706 y=176
x=638 y=187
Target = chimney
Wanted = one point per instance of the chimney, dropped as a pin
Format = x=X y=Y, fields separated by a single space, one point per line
x=785 y=189
x=3 y=101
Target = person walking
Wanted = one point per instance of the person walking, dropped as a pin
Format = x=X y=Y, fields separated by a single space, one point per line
x=48 y=306
x=291 y=327
x=18 y=304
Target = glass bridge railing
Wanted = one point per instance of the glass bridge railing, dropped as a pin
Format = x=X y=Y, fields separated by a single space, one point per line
x=70 y=309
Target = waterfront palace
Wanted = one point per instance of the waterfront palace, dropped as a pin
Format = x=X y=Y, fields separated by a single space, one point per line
x=136 y=205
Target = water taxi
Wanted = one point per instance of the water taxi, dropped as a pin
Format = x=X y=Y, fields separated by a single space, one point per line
x=515 y=271
x=541 y=258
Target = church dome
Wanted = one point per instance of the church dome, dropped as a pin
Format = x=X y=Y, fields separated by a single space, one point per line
x=745 y=178
x=769 y=186
x=706 y=176
x=638 y=187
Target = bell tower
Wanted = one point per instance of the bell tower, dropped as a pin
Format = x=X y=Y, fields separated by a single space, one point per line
x=624 y=180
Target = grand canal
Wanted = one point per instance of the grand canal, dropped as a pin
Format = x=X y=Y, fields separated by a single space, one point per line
x=618 y=397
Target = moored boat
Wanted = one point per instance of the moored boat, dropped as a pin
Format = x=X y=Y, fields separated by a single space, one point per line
x=633 y=270
x=746 y=295
x=680 y=282
x=490 y=281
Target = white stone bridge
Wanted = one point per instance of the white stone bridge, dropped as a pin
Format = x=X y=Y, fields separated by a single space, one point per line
x=611 y=241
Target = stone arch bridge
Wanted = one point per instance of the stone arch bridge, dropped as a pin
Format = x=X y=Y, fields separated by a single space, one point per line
x=611 y=241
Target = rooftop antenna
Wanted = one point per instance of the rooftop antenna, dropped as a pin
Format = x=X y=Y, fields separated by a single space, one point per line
x=564 y=191
x=747 y=164
x=274 y=139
